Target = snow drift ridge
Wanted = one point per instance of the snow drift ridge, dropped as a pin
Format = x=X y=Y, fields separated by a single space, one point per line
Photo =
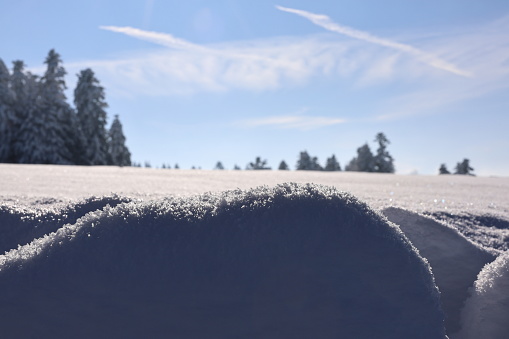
x=292 y=261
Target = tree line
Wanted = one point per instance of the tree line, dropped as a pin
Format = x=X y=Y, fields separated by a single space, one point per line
x=39 y=126
x=462 y=168
x=365 y=161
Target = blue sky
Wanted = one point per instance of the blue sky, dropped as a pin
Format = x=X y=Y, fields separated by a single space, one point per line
x=196 y=82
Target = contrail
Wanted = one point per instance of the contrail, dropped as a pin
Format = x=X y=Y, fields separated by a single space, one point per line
x=325 y=22
x=155 y=37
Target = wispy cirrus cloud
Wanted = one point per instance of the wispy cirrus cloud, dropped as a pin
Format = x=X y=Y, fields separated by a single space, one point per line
x=271 y=64
x=325 y=22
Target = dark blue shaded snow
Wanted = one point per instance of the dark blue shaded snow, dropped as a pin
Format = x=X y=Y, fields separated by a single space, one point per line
x=292 y=261
x=455 y=260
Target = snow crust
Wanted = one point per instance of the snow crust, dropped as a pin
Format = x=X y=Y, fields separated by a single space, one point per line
x=291 y=261
x=32 y=184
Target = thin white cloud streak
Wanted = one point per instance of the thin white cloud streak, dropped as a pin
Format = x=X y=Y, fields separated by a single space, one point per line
x=326 y=23
x=164 y=39
x=299 y=122
x=484 y=48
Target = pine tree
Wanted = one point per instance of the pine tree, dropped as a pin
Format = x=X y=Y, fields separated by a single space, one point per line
x=443 y=169
x=119 y=153
x=63 y=135
x=259 y=164
x=463 y=168
x=219 y=166
x=383 y=161
x=332 y=164
x=304 y=162
x=32 y=143
x=236 y=167
x=364 y=162
x=308 y=163
x=283 y=166
x=90 y=104
x=8 y=123
x=25 y=87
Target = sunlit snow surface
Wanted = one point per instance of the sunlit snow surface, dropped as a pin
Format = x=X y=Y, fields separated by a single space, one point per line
x=130 y=252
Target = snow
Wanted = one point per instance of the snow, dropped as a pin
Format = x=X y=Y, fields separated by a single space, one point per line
x=134 y=252
x=455 y=260
x=487 y=310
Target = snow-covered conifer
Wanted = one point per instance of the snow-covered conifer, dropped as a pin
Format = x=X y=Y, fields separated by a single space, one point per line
x=332 y=164
x=25 y=92
x=119 y=153
x=63 y=135
x=90 y=104
x=8 y=123
x=364 y=162
x=383 y=161
x=33 y=141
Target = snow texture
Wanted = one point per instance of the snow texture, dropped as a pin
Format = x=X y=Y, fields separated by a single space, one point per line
x=486 y=313
x=291 y=261
x=21 y=225
x=455 y=261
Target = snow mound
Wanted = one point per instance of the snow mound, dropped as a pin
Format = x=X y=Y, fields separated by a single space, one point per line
x=292 y=261
x=19 y=225
x=454 y=260
x=486 y=312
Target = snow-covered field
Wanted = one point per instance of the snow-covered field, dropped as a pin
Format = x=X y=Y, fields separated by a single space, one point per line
x=109 y=252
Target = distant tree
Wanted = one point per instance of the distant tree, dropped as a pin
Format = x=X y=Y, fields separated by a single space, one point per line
x=283 y=166
x=219 y=166
x=332 y=164
x=307 y=163
x=236 y=167
x=364 y=162
x=119 y=153
x=464 y=168
x=443 y=169
x=90 y=104
x=259 y=164
x=8 y=121
x=176 y=166
x=383 y=161
x=147 y=164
